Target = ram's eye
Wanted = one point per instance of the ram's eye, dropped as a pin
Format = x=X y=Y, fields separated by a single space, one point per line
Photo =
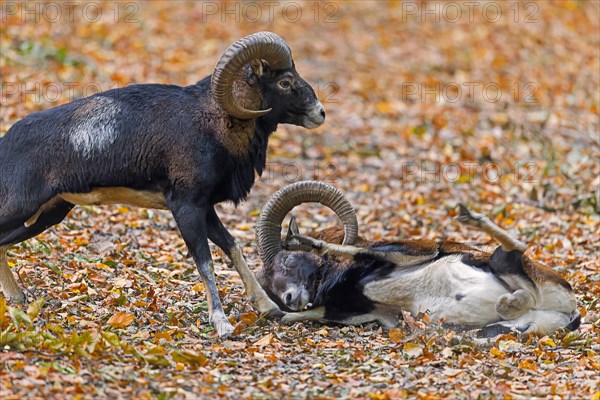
x=285 y=83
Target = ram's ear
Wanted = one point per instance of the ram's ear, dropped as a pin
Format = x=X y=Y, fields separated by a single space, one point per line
x=293 y=226
x=259 y=67
x=292 y=230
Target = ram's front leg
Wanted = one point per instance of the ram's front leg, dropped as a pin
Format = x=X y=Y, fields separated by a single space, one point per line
x=219 y=236
x=192 y=222
x=315 y=314
x=384 y=317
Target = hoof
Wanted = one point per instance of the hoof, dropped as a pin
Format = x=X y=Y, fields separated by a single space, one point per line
x=275 y=312
x=17 y=297
x=224 y=329
x=269 y=307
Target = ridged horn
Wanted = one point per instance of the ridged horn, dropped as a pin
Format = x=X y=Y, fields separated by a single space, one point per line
x=258 y=46
x=268 y=226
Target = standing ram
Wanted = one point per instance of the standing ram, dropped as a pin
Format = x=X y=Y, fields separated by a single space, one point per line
x=158 y=146
x=357 y=282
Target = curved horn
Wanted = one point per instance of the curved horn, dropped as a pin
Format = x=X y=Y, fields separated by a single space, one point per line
x=268 y=226
x=261 y=45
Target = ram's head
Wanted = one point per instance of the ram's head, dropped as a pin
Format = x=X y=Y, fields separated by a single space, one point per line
x=264 y=62
x=290 y=273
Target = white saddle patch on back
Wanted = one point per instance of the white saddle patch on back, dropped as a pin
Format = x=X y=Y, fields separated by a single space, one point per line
x=95 y=125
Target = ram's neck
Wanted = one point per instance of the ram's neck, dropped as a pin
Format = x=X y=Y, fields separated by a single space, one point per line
x=260 y=143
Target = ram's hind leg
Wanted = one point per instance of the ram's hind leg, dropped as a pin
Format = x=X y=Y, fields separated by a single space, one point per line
x=513 y=305
x=10 y=287
x=222 y=238
x=24 y=231
x=483 y=223
x=540 y=322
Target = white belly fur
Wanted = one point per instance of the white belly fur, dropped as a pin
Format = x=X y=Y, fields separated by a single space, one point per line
x=433 y=288
x=107 y=195
x=117 y=195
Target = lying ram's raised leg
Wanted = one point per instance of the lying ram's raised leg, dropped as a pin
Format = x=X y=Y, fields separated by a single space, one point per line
x=507 y=264
x=387 y=253
x=483 y=223
x=324 y=247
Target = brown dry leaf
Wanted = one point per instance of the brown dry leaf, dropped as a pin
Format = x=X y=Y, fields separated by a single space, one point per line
x=249 y=317
x=362 y=58
x=166 y=335
x=409 y=319
x=265 y=340
x=497 y=353
x=120 y=319
x=396 y=335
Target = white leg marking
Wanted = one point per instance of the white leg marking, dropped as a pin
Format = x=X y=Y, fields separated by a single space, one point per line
x=95 y=125
x=255 y=291
x=316 y=314
x=10 y=287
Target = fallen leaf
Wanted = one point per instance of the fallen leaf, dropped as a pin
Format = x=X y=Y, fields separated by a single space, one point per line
x=264 y=341
x=120 y=319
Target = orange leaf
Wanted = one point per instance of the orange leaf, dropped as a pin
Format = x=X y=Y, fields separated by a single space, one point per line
x=120 y=320
x=249 y=317
x=528 y=364
x=163 y=335
x=498 y=353
x=396 y=335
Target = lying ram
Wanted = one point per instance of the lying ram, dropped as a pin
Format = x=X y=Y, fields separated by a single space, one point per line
x=158 y=146
x=463 y=286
